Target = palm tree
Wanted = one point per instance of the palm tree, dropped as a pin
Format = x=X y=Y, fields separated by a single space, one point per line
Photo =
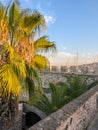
x=17 y=29
x=12 y=68
x=23 y=32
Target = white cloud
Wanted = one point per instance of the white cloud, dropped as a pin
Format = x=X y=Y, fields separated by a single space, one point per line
x=63 y=58
x=63 y=54
x=49 y=19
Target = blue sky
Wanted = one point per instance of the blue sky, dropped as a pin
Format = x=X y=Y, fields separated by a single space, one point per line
x=72 y=24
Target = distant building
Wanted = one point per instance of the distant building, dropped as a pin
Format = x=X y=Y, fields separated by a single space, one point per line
x=85 y=68
x=64 y=68
x=54 y=68
x=73 y=69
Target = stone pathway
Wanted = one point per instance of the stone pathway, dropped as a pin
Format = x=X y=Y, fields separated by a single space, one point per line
x=94 y=124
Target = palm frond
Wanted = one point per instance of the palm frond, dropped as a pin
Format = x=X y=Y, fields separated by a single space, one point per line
x=41 y=62
x=17 y=63
x=2 y=11
x=9 y=84
x=33 y=74
x=57 y=100
x=44 y=44
x=34 y=21
x=30 y=87
x=13 y=14
x=44 y=104
x=58 y=95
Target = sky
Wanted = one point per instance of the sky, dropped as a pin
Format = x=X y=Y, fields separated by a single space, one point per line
x=72 y=24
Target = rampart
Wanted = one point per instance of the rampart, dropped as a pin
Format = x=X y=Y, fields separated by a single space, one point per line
x=76 y=115
x=49 y=76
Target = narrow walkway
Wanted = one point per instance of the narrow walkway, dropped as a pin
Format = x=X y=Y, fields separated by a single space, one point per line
x=94 y=124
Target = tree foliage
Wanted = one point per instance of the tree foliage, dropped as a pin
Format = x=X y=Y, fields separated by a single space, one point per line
x=64 y=92
x=19 y=58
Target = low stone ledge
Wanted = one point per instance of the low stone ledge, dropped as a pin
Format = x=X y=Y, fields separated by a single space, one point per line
x=76 y=115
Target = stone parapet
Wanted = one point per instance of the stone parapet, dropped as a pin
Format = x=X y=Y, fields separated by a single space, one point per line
x=76 y=115
x=50 y=76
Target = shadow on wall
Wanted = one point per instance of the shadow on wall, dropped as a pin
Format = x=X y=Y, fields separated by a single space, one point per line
x=31 y=119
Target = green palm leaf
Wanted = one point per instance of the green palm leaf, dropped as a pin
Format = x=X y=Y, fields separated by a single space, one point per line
x=15 y=61
x=9 y=84
x=33 y=21
x=13 y=14
x=44 y=104
x=32 y=73
x=58 y=95
x=44 y=43
x=57 y=100
x=41 y=62
x=2 y=11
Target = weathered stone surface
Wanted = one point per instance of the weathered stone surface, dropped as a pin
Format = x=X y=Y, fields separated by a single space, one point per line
x=76 y=115
x=94 y=124
x=28 y=108
x=49 y=76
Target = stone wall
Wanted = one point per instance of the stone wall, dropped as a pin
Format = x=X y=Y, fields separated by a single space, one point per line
x=26 y=109
x=49 y=76
x=76 y=115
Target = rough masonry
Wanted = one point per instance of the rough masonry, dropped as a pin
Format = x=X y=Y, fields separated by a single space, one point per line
x=76 y=115
x=49 y=76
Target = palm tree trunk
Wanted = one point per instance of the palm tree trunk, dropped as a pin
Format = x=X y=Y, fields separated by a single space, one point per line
x=8 y=112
